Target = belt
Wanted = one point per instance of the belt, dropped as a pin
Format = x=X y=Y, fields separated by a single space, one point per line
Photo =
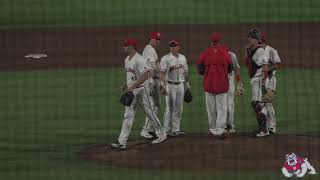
x=176 y=83
x=155 y=77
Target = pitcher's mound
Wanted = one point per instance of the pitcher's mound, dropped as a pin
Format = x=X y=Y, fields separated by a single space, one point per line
x=198 y=152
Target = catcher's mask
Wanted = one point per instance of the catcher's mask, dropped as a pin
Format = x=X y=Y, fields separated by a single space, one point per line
x=254 y=33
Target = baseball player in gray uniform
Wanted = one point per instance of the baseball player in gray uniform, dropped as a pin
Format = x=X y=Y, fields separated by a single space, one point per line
x=257 y=63
x=234 y=89
x=174 y=81
x=274 y=64
x=137 y=72
x=150 y=54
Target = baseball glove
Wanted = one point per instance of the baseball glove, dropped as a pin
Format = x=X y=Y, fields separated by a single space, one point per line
x=187 y=96
x=269 y=96
x=127 y=98
x=239 y=89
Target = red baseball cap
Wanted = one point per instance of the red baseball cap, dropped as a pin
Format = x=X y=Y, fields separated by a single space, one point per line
x=173 y=43
x=263 y=36
x=154 y=35
x=130 y=42
x=215 y=37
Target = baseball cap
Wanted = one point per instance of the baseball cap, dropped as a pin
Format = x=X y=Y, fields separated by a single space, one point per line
x=215 y=37
x=130 y=42
x=154 y=35
x=173 y=43
x=263 y=36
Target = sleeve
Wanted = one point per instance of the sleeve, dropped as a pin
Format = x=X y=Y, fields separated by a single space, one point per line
x=275 y=59
x=143 y=66
x=262 y=58
x=163 y=64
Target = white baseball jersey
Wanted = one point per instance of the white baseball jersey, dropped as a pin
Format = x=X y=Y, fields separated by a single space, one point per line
x=150 y=54
x=174 y=67
x=260 y=58
x=135 y=67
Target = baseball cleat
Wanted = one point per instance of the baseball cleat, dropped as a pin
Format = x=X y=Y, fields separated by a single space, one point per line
x=160 y=139
x=146 y=135
x=263 y=134
x=117 y=145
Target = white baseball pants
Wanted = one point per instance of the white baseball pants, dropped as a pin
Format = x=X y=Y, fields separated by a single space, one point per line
x=156 y=99
x=230 y=99
x=217 y=112
x=271 y=123
x=174 y=107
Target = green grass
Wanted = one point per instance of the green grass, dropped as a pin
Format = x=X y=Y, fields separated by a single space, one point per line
x=57 y=13
x=48 y=116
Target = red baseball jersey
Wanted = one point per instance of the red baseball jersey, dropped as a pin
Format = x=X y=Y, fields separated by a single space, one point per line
x=215 y=60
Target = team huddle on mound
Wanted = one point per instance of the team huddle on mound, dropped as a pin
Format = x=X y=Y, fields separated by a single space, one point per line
x=147 y=78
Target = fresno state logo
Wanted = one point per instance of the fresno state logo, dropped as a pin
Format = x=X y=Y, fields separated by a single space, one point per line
x=296 y=166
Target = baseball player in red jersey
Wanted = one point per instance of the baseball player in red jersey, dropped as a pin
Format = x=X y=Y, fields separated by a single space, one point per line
x=137 y=73
x=150 y=54
x=214 y=64
x=274 y=64
x=257 y=64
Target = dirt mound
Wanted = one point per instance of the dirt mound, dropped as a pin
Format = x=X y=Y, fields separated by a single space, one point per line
x=198 y=152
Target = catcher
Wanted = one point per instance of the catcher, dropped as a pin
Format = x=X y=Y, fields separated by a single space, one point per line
x=138 y=92
x=257 y=63
x=175 y=86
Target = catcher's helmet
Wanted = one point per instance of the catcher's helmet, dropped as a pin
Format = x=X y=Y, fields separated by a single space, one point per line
x=254 y=33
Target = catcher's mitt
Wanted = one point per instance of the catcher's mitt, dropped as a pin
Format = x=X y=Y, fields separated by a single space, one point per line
x=187 y=96
x=269 y=96
x=127 y=98
x=239 y=89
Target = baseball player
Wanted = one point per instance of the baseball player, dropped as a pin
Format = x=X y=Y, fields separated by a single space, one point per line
x=150 y=54
x=238 y=90
x=174 y=81
x=137 y=71
x=215 y=64
x=274 y=64
x=257 y=63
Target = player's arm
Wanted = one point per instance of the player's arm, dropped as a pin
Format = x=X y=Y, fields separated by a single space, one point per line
x=141 y=80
